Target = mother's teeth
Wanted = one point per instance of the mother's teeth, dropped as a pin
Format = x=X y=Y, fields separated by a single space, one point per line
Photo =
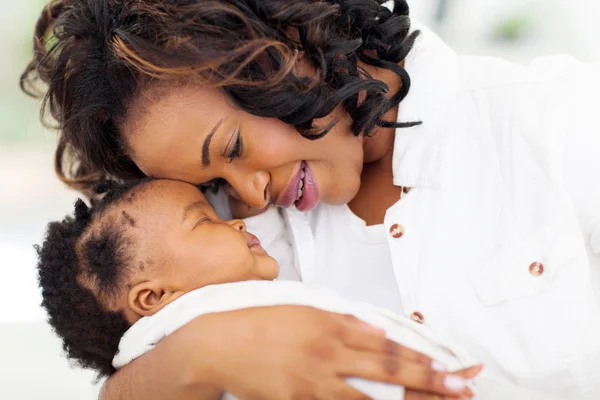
x=301 y=184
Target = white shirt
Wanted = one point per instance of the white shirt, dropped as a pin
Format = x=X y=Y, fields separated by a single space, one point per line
x=354 y=255
x=146 y=333
x=505 y=174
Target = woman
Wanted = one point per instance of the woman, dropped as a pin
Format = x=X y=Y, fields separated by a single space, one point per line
x=294 y=103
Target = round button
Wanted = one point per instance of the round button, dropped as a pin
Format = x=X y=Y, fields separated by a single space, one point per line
x=417 y=317
x=396 y=231
x=536 y=269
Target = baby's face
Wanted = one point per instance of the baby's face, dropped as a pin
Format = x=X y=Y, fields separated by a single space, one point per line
x=179 y=237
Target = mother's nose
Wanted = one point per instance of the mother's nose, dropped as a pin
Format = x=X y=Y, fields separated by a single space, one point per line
x=253 y=189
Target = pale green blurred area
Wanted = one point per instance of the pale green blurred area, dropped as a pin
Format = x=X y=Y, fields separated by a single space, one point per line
x=30 y=195
x=18 y=114
x=32 y=364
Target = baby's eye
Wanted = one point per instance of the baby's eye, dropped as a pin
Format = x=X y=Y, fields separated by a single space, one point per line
x=201 y=220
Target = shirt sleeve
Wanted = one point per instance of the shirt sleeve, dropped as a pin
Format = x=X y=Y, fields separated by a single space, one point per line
x=271 y=228
x=581 y=159
x=568 y=132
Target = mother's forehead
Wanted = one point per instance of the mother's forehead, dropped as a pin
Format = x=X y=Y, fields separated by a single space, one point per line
x=167 y=95
x=174 y=128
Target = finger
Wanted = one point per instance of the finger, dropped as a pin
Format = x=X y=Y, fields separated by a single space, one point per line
x=468 y=392
x=353 y=323
x=471 y=372
x=358 y=337
x=345 y=391
x=409 y=374
x=412 y=395
x=467 y=373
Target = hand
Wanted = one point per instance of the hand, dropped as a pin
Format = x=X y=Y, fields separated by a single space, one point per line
x=467 y=373
x=291 y=352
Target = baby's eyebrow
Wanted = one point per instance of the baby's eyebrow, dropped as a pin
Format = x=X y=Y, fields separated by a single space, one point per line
x=198 y=204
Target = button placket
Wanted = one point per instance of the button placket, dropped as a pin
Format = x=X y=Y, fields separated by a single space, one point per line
x=399 y=223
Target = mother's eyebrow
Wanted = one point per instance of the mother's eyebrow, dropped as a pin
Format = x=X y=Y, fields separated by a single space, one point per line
x=206 y=145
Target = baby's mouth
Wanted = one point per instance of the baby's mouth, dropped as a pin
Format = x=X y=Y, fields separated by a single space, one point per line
x=252 y=240
x=254 y=243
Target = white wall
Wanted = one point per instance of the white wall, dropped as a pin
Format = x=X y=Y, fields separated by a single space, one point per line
x=32 y=367
x=555 y=26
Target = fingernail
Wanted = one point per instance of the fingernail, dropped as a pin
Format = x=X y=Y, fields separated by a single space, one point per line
x=454 y=383
x=474 y=371
x=438 y=366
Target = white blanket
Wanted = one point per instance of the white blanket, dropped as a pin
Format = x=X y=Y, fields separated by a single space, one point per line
x=149 y=331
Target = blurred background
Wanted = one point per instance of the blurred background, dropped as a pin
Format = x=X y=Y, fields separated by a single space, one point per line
x=30 y=195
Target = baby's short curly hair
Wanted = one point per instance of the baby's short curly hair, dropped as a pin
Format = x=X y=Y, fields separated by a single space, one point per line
x=81 y=265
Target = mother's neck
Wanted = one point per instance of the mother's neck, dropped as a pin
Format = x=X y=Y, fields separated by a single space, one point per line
x=377 y=190
x=381 y=141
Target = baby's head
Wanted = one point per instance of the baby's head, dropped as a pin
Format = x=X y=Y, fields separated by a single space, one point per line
x=134 y=251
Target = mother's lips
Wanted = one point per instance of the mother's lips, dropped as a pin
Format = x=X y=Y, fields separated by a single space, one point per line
x=290 y=194
x=310 y=194
x=302 y=190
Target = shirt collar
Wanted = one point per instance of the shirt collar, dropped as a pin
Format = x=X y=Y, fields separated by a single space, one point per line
x=432 y=67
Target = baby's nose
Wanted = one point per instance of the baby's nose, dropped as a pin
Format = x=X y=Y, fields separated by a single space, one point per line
x=238 y=224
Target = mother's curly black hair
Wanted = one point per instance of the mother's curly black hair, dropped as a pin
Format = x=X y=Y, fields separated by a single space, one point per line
x=95 y=55
x=69 y=256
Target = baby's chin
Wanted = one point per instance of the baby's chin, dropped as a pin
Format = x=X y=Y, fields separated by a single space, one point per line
x=267 y=268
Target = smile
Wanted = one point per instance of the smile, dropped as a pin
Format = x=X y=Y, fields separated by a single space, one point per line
x=301 y=183
x=301 y=191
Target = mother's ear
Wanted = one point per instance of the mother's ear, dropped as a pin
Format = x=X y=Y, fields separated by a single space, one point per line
x=149 y=297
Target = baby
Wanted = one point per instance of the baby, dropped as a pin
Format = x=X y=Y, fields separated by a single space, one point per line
x=151 y=256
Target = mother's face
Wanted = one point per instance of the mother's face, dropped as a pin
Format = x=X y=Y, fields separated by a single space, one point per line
x=196 y=134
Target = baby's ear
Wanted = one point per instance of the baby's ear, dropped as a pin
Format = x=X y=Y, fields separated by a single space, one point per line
x=147 y=298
